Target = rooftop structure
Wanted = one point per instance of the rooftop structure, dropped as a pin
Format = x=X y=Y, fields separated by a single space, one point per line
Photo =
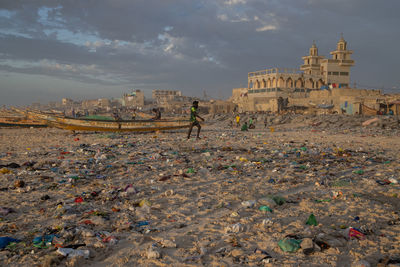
x=317 y=71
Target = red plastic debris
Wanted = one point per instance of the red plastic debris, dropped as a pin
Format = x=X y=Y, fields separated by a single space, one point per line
x=78 y=200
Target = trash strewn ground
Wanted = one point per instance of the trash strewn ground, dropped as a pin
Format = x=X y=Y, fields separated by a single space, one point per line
x=308 y=193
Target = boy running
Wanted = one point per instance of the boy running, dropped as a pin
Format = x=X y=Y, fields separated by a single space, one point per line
x=193 y=119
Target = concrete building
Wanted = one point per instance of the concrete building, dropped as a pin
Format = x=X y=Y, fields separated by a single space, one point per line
x=134 y=99
x=319 y=81
x=96 y=103
x=317 y=71
x=67 y=102
x=163 y=96
x=220 y=106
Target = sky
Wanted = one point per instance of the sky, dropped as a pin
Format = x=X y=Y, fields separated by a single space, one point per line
x=89 y=49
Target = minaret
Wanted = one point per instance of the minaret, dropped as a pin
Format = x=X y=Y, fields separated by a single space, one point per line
x=312 y=62
x=342 y=54
x=336 y=70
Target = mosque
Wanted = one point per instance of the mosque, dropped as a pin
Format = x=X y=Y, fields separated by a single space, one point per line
x=319 y=82
x=316 y=72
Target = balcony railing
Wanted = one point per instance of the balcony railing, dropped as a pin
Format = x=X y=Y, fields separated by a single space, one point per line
x=274 y=71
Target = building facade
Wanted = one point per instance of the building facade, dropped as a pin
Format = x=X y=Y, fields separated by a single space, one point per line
x=163 y=96
x=297 y=85
x=316 y=72
x=134 y=99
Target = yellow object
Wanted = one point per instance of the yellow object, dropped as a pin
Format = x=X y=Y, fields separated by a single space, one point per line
x=4 y=171
x=271 y=129
x=243 y=159
x=144 y=202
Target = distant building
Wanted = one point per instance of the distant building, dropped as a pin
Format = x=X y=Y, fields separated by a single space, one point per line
x=96 y=103
x=162 y=97
x=134 y=99
x=220 y=106
x=90 y=104
x=104 y=102
x=67 y=102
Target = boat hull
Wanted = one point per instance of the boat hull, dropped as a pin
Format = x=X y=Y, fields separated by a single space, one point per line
x=116 y=126
x=78 y=124
x=22 y=125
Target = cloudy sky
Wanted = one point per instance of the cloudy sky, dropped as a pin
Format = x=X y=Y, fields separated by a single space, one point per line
x=51 y=49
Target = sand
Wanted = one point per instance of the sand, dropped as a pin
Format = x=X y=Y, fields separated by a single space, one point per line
x=157 y=199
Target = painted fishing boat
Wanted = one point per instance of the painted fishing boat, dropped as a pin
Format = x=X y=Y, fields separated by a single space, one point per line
x=22 y=123
x=16 y=121
x=87 y=124
x=76 y=124
x=11 y=118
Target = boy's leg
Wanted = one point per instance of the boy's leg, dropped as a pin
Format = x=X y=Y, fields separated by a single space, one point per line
x=190 y=130
x=198 y=130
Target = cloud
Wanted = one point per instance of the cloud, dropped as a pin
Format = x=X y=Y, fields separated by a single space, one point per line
x=186 y=45
x=235 y=2
x=266 y=28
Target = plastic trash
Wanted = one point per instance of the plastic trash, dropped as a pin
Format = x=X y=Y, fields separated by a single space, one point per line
x=71 y=253
x=248 y=203
x=43 y=241
x=235 y=228
x=153 y=252
x=354 y=233
x=289 y=244
x=312 y=220
x=265 y=208
x=190 y=170
x=279 y=200
x=5 y=241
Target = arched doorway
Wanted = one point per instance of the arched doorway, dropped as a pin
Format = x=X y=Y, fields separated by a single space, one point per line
x=309 y=83
x=273 y=82
x=289 y=83
x=264 y=83
x=281 y=82
x=269 y=83
x=257 y=85
x=299 y=83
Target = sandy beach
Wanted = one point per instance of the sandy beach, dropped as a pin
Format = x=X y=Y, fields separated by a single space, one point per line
x=232 y=198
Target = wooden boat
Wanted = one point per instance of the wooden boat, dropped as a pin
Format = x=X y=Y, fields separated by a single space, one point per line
x=22 y=123
x=76 y=124
x=81 y=124
x=10 y=118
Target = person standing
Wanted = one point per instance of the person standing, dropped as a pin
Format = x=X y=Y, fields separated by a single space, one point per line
x=193 y=119
x=245 y=127
x=237 y=120
x=157 y=113
x=134 y=114
x=280 y=104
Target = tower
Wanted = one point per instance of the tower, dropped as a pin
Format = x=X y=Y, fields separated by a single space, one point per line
x=312 y=62
x=336 y=70
x=342 y=54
